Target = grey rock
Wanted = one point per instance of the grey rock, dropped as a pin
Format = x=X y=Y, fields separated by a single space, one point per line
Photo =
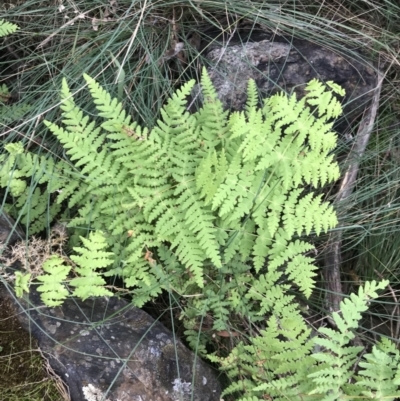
x=108 y=347
x=9 y=231
x=282 y=65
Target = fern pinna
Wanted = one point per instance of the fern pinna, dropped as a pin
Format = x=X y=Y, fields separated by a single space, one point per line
x=7 y=28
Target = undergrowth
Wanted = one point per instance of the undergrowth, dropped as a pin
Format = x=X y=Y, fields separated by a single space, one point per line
x=131 y=55
x=211 y=205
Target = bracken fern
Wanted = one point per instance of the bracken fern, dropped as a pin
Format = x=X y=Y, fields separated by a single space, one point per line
x=208 y=205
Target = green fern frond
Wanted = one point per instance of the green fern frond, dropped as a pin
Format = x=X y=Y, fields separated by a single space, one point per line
x=108 y=108
x=338 y=357
x=181 y=125
x=32 y=206
x=283 y=363
x=14 y=112
x=210 y=174
x=252 y=99
x=327 y=105
x=280 y=367
x=222 y=199
x=7 y=28
x=168 y=184
x=21 y=283
x=36 y=211
x=218 y=200
x=376 y=378
x=192 y=337
x=211 y=118
x=4 y=94
x=91 y=257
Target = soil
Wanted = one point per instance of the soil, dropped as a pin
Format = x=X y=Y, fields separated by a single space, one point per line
x=24 y=372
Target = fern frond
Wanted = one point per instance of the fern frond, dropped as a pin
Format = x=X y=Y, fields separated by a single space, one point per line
x=194 y=340
x=218 y=201
x=254 y=132
x=378 y=369
x=269 y=295
x=301 y=270
x=34 y=208
x=108 y=108
x=313 y=214
x=279 y=367
x=91 y=257
x=261 y=248
x=14 y=112
x=21 y=283
x=247 y=195
x=338 y=357
x=222 y=199
x=53 y=290
x=10 y=113
x=211 y=118
x=252 y=99
x=174 y=121
x=7 y=28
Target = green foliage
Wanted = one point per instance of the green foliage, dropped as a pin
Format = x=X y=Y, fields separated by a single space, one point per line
x=286 y=362
x=89 y=282
x=21 y=173
x=22 y=283
x=380 y=374
x=91 y=257
x=224 y=195
x=338 y=357
x=53 y=290
x=154 y=187
x=210 y=206
x=10 y=113
x=6 y=28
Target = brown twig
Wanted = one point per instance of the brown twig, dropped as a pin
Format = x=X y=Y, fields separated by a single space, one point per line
x=333 y=252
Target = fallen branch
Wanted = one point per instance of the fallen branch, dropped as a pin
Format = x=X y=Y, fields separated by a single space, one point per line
x=333 y=252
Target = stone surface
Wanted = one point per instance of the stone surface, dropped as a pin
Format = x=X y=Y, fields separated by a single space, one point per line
x=9 y=231
x=109 y=347
x=278 y=65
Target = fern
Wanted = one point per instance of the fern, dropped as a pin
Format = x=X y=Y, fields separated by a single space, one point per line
x=209 y=206
x=155 y=184
x=7 y=28
x=211 y=189
x=285 y=362
x=88 y=283
x=338 y=357
x=53 y=290
x=93 y=256
x=32 y=205
x=22 y=282
x=378 y=372
x=10 y=113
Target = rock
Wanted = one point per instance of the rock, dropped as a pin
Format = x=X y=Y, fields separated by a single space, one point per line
x=287 y=65
x=9 y=231
x=108 y=347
